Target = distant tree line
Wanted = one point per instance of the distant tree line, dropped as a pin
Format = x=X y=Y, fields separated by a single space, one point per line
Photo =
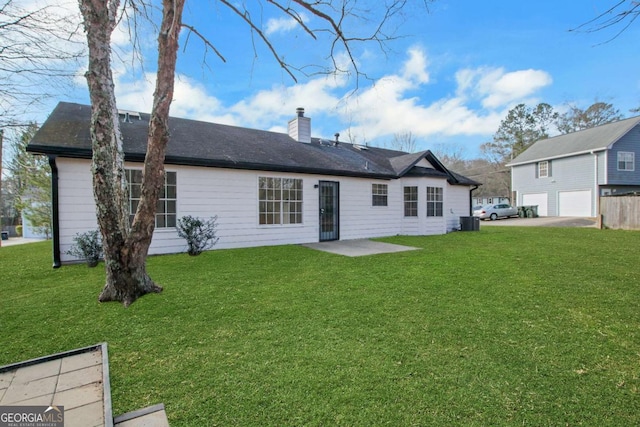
x=523 y=126
x=26 y=189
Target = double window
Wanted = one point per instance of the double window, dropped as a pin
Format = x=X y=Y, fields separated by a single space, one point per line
x=379 y=194
x=166 y=206
x=410 y=201
x=626 y=161
x=279 y=200
x=435 y=201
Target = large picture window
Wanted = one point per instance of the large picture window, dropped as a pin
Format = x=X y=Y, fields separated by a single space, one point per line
x=626 y=161
x=166 y=206
x=280 y=200
x=379 y=194
x=410 y=201
x=435 y=201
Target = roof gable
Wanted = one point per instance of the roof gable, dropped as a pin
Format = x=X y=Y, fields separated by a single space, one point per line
x=598 y=138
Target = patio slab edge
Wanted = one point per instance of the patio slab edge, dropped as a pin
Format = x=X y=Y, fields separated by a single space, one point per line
x=106 y=392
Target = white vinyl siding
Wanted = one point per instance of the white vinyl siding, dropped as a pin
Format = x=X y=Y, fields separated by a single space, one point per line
x=566 y=174
x=233 y=195
x=457 y=204
x=76 y=206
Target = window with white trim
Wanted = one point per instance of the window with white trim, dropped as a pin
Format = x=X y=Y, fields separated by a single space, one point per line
x=410 y=201
x=279 y=200
x=626 y=161
x=543 y=169
x=166 y=208
x=435 y=201
x=379 y=194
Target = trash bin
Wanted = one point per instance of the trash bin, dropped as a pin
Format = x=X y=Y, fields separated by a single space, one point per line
x=469 y=223
x=5 y=235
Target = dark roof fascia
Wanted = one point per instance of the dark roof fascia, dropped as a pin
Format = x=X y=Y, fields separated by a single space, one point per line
x=463 y=180
x=431 y=158
x=76 y=153
x=185 y=161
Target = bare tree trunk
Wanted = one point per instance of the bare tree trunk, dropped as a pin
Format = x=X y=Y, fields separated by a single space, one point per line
x=126 y=247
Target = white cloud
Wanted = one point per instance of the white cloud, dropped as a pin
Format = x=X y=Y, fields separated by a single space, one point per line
x=279 y=103
x=190 y=99
x=283 y=25
x=415 y=68
x=390 y=105
x=515 y=85
x=497 y=88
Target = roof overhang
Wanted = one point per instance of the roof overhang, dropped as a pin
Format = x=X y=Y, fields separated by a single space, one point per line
x=564 y=156
x=75 y=153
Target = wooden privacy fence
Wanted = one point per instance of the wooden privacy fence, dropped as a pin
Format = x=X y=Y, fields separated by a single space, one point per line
x=620 y=212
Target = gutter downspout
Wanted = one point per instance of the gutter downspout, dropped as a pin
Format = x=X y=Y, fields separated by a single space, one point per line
x=596 y=188
x=475 y=187
x=55 y=212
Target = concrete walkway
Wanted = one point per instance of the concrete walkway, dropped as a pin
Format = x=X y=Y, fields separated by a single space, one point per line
x=19 y=241
x=358 y=247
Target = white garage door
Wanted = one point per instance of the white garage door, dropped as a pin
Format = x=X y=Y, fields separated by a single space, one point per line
x=574 y=203
x=536 y=199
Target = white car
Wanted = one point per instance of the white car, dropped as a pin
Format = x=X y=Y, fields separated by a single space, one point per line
x=493 y=212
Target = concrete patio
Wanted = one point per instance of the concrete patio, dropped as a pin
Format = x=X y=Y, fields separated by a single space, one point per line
x=77 y=380
x=358 y=247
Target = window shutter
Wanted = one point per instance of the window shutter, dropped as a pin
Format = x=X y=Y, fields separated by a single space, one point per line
x=537 y=170
x=549 y=168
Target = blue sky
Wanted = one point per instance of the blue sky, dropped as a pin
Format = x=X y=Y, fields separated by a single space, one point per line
x=449 y=80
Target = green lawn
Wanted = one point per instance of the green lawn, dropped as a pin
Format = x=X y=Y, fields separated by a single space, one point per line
x=506 y=326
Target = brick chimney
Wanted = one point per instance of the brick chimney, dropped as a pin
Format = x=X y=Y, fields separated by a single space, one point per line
x=300 y=127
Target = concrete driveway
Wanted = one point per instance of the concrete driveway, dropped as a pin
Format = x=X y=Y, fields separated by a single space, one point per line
x=543 y=221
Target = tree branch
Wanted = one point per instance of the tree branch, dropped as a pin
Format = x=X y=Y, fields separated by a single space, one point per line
x=612 y=17
x=204 y=40
x=246 y=17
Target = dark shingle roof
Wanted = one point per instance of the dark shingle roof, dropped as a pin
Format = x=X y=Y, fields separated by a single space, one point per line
x=66 y=133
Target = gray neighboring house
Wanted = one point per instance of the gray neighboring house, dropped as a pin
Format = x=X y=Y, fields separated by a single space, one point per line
x=483 y=201
x=566 y=175
x=266 y=188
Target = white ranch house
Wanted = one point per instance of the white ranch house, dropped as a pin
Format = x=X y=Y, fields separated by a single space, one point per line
x=266 y=188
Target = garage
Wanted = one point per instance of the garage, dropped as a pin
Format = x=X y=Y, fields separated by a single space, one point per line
x=574 y=203
x=536 y=199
